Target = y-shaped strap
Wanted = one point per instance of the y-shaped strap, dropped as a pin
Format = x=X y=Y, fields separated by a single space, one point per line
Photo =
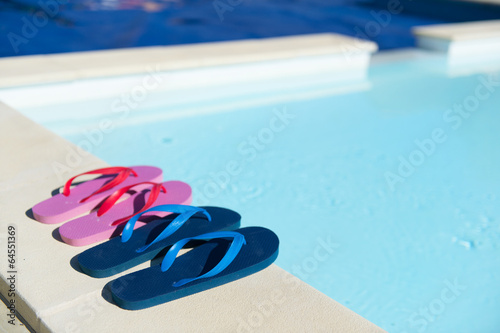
x=232 y=252
x=113 y=198
x=122 y=174
x=185 y=213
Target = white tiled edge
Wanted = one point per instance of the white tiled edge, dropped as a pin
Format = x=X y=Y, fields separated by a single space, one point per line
x=53 y=297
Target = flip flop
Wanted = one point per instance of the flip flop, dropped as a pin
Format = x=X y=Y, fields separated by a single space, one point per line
x=226 y=257
x=109 y=220
x=119 y=254
x=84 y=197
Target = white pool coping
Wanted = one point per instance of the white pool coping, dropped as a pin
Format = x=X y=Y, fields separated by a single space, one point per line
x=461 y=31
x=461 y=39
x=469 y=47
x=54 y=297
x=349 y=54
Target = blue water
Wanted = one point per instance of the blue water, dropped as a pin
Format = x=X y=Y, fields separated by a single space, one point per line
x=385 y=199
x=45 y=26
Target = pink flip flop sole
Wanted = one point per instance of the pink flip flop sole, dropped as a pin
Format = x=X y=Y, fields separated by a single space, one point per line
x=60 y=208
x=90 y=228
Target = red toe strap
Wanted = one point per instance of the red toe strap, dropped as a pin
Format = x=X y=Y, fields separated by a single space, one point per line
x=113 y=198
x=121 y=174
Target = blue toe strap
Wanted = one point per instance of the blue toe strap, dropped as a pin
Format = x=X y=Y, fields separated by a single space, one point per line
x=232 y=252
x=185 y=213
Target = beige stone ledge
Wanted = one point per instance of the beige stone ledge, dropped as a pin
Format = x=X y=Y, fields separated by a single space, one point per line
x=31 y=70
x=480 y=39
x=460 y=31
x=469 y=47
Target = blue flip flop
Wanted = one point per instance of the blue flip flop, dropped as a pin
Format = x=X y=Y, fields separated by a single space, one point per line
x=226 y=256
x=144 y=243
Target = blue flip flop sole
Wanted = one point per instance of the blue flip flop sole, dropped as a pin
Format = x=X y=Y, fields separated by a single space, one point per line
x=151 y=286
x=113 y=257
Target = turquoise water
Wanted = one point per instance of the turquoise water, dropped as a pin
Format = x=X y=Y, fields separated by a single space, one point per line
x=385 y=199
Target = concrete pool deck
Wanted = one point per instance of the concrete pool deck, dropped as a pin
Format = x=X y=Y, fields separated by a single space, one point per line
x=52 y=296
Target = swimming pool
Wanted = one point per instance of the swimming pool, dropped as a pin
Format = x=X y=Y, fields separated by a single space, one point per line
x=385 y=198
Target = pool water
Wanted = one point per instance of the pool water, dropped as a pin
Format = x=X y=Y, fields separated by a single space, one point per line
x=50 y=26
x=386 y=199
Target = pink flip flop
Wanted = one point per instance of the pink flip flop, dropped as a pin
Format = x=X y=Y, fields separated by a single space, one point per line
x=111 y=217
x=87 y=195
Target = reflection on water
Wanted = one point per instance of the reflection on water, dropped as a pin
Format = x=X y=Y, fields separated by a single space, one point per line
x=146 y=5
x=93 y=5
x=34 y=10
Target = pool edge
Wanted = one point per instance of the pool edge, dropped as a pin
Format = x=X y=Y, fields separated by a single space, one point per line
x=52 y=68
